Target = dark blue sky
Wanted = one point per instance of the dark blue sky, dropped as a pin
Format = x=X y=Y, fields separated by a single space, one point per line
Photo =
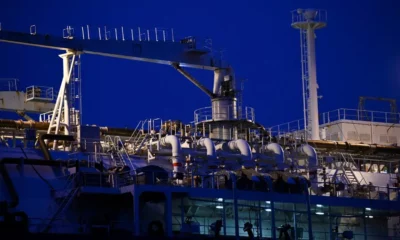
x=357 y=54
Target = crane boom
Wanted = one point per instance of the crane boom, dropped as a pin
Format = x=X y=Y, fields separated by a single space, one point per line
x=183 y=53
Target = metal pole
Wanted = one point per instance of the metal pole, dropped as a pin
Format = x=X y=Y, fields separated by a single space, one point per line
x=259 y=220
x=83 y=33
x=303 y=84
x=312 y=83
x=88 y=33
x=172 y=32
x=235 y=207
x=224 y=216
x=294 y=221
x=116 y=34
x=100 y=33
x=122 y=30
x=133 y=38
x=305 y=185
x=330 y=223
x=365 y=225
x=273 y=230
x=155 y=29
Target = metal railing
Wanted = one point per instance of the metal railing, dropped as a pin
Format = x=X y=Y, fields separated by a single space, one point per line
x=320 y=15
x=206 y=114
x=338 y=115
x=39 y=93
x=9 y=84
x=218 y=181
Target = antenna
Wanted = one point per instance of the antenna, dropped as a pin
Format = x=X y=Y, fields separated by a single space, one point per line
x=307 y=21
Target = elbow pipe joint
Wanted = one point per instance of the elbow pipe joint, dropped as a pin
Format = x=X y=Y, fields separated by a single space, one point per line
x=278 y=152
x=310 y=153
x=244 y=149
x=209 y=145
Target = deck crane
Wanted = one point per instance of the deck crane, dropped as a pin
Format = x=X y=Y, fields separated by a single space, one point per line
x=177 y=54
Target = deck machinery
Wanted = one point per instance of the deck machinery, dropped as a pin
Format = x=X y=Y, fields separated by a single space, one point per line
x=222 y=175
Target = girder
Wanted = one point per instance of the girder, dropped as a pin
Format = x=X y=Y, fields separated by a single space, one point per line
x=183 y=53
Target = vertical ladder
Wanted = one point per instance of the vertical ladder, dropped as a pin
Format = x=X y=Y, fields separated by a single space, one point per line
x=305 y=78
x=75 y=93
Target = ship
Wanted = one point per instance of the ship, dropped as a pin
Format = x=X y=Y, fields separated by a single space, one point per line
x=224 y=175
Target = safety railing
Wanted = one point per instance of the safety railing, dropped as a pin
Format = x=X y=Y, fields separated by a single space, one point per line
x=45 y=117
x=338 y=115
x=221 y=181
x=359 y=115
x=370 y=192
x=307 y=15
x=9 y=84
x=229 y=113
x=39 y=93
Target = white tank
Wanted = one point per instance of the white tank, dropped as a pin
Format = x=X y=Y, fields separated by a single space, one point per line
x=224 y=109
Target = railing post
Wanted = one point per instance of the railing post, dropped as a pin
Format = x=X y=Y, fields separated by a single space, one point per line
x=386 y=120
x=388 y=191
x=329 y=119
x=372 y=116
x=344 y=114
x=279 y=133
x=338 y=114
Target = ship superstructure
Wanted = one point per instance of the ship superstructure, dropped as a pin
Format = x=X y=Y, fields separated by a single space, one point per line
x=224 y=174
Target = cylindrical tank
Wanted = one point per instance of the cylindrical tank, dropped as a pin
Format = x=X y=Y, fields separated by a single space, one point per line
x=224 y=109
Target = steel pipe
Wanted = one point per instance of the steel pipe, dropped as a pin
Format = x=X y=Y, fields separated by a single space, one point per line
x=20 y=124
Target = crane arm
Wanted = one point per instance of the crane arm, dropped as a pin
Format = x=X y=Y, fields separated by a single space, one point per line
x=183 y=53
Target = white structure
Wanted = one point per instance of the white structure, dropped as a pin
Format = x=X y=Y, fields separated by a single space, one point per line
x=349 y=125
x=64 y=113
x=308 y=20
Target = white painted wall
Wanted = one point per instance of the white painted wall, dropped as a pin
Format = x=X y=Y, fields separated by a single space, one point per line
x=364 y=132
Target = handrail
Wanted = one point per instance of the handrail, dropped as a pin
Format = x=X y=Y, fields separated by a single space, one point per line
x=206 y=114
x=340 y=114
x=12 y=84
x=371 y=192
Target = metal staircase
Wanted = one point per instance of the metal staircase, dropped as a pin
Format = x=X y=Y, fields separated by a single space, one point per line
x=114 y=146
x=122 y=153
x=143 y=131
x=63 y=199
x=346 y=167
x=138 y=136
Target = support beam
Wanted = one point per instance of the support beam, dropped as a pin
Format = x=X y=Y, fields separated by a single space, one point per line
x=193 y=80
x=60 y=116
x=19 y=124
x=183 y=52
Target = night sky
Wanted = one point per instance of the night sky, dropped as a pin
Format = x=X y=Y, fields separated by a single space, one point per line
x=358 y=54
